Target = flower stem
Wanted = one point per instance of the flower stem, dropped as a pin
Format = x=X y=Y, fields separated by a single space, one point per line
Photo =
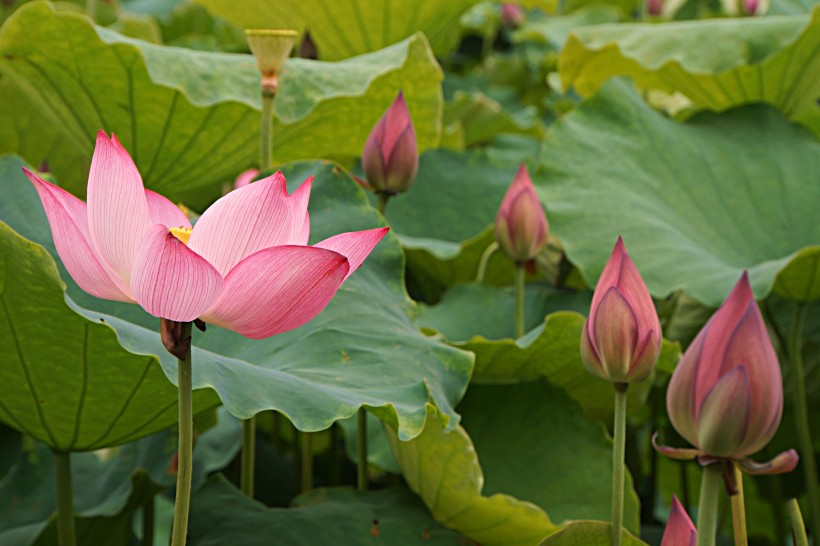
x=801 y=415
x=361 y=463
x=710 y=485
x=520 y=278
x=381 y=206
x=307 y=461
x=618 y=453
x=248 y=455
x=65 y=506
x=148 y=523
x=186 y=444
x=266 y=132
x=798 y=528
x=739 y=510
x=485 y=260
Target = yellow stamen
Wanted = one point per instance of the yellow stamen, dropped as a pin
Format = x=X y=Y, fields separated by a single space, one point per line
x=182 y=233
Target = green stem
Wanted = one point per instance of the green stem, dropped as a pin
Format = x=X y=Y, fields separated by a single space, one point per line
x=739 y=510
x=798 y=527
x=778 y=514
x=148 y=523
x=248 y=455
x=307 y=461
x=266 y=133
x=520 y=278
x=710 y=485
x=186 y=445
x=485 y=259
x=381 y=206
x=361 y=464
x=801 y=415
x=618 y=451
x=65 y=507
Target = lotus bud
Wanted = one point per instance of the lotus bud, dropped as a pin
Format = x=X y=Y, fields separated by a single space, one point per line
x=390 y=158
x=750 y=7
x=512 y=15
x=521 y=227
x=307 y=48
x=621 y=339
x=654 y=7
x=680 y=531
x=245 y=178
x=726 y=396
x=271 y=48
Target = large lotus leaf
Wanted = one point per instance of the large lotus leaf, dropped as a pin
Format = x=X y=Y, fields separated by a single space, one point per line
x=362 y=350
x=696 y=203
x=507 y=481
x=346 y=29
x=550 y=350
x=221 y=514
x=191 y=119
x=791 y=7
x=800 y=281
x=717 y=63
x=65 y=379
x=554 y=31
x=589 y=533
x=482 y=118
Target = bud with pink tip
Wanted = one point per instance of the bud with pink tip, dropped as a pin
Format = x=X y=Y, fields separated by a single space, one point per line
x=680 y=531
x=390 y=158
x=521 y=227
x=726 y=395
x=654 y=7
x=512 y=15
x=621 y=339
x=750 y=7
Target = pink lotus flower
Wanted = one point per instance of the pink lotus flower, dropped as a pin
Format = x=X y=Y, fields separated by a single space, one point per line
x=245 y=265
x=750 y=7
x=512 y=15
x=390 y=159
x=654 y=7
x=521 y=227
x=680 y=531
x=726 y=396
x=621 y=339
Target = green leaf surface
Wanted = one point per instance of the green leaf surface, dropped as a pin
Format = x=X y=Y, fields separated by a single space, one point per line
x=716 y=63
x=800 y=280
x=346 y=29
x=696 y=203
x=378 y=449
x=482 y=118
x=66 y=380
x=191 y=119
x=362 y=350
x=589 y=533
x=554 y=30
x=221 y=514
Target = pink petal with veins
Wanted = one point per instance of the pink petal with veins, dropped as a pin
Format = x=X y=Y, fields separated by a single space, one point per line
x=162 y=211
x=355 y=245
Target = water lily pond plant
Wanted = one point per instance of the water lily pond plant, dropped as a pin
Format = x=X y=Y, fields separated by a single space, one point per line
x=452 y=272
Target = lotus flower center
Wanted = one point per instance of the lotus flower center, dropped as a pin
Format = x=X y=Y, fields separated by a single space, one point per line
x=182 y=233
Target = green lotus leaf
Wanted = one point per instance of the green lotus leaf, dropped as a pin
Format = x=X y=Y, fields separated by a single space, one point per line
x=800 y=279
x=221 y=514
x=501 y=477
x=696 y=203
x=190 y=119
x=554 y=30
x=589 y=533
x=716 y=64
x=346 y=29
x=482 y=118
x=362 y=350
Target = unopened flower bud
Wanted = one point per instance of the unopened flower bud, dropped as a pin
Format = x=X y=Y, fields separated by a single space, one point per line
x=390 y=159
x=521 y=227
x=654 y=7
x=512 y=15
x=621 y=339
x=271 y=49
x=750 y=7
x=680 y=531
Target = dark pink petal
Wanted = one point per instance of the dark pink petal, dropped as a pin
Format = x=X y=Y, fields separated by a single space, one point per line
x=631 y=285
x=68 y=219
x=677 y=453
x=250 y=219
x=616 y=334
x=680 y=396
x=521 y=227
x=277 y=289
x=170 y=280
x=643 y=362
x=589 y=355
x=373 y=163
x=162 y=211
x=724 y=415
x=396 y=120
x=355 y=245
x=117 y=208
x=782 y=463
x=403 y=162
x=680 y=531
x=245 y=178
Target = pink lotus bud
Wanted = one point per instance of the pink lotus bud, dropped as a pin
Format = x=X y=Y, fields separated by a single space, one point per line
x=512 y=15
x=654 y=7
x=521 y=227
x=750 y=7
x=680 y=531
x=621 y=339
x=390 y=158
x=726 y=396
x=245 y=178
